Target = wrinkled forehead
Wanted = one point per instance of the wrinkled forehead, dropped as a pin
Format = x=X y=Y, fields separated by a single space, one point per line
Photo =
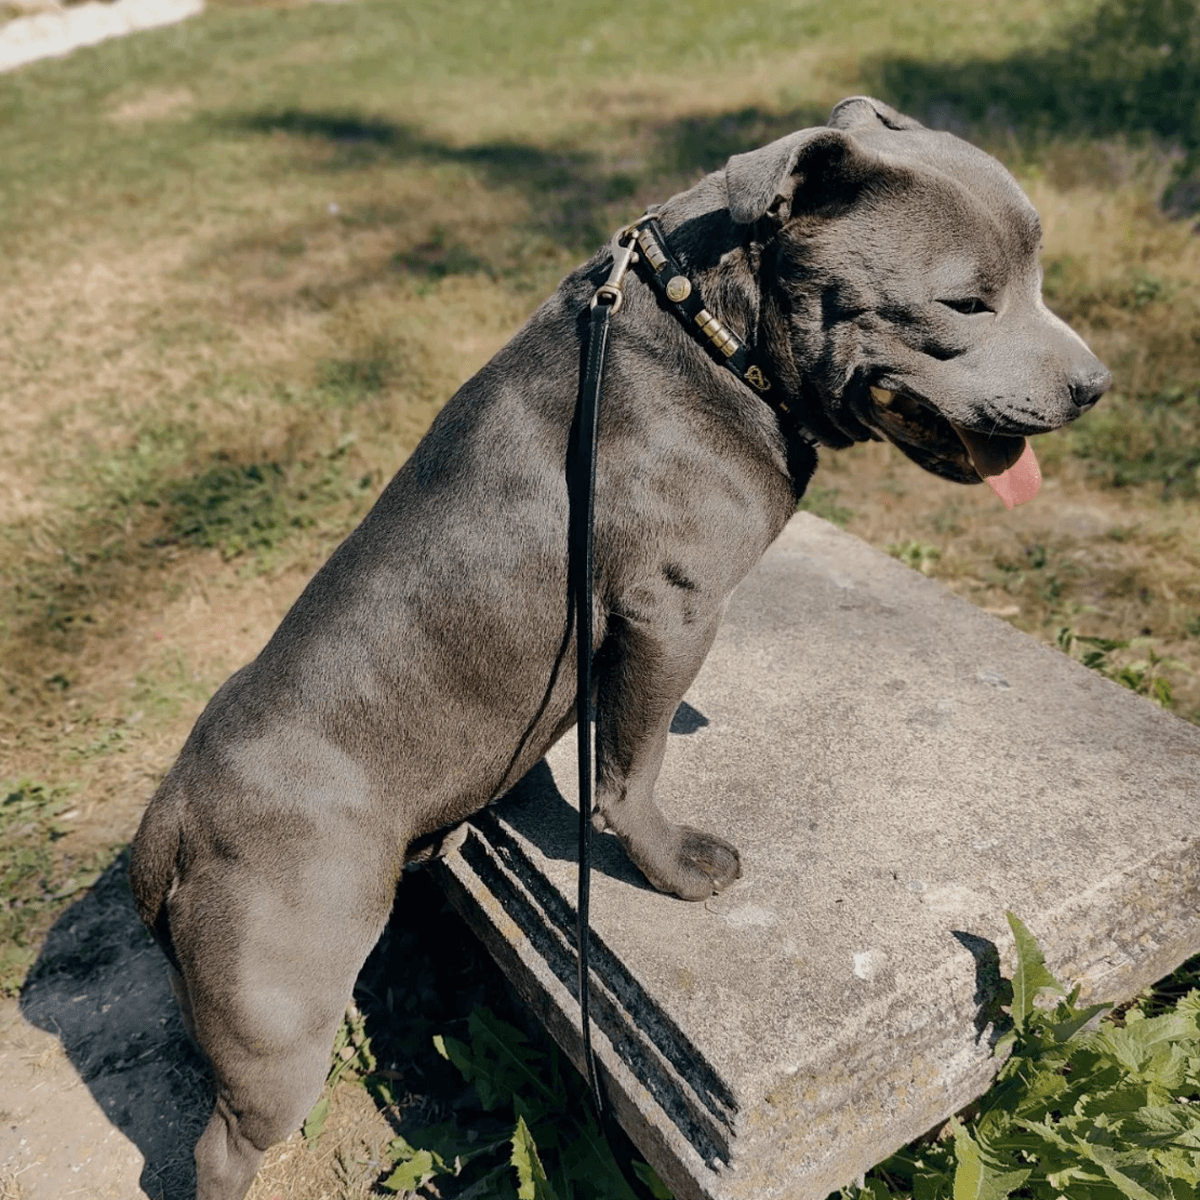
x=957 y=168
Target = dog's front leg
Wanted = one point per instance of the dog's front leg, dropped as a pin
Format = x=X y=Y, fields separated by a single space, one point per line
x=644 y=670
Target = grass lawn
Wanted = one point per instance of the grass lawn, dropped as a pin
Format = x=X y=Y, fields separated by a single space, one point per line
x=247 y=258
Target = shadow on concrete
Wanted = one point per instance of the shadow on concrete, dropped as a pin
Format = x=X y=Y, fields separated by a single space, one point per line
x=542 y=815
x=1131 y=68
x=100 y=985
x=992 y=990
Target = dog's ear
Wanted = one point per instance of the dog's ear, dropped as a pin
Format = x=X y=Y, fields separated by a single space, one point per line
x=860 y=112
x=819 y=164
x=816 y=167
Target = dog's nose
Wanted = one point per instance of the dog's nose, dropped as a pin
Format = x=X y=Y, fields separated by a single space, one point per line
x=1089 y=385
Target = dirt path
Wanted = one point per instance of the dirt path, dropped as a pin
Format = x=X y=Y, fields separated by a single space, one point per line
x=49 y=30
x=100 y=1083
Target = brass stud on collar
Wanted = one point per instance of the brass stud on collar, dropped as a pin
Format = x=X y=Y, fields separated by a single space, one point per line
x=678 y=288
x=651 y=249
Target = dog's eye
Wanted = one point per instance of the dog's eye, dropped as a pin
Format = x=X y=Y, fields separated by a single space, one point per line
x=968 y=307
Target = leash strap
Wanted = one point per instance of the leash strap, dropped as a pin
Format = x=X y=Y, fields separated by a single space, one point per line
x=580 y=550
x=580 y=573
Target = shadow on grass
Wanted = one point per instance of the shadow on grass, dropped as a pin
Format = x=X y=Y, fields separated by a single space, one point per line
x=568 y=187
x=573 y=195
x=241 y=506
x=1111 y=75
x=133 y=529
x=1131 y=68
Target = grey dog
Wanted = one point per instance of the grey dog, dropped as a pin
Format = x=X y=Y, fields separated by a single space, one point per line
x=887 y=274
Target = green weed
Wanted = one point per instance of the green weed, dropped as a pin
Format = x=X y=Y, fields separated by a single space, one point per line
x=1146 y=676
x=537 y=1135
x=919 y=555
x=1080 y=1110
x=352 y=1059
x=543 y=1116
x=1152 y=440
x=252 y=509
x=33 y=817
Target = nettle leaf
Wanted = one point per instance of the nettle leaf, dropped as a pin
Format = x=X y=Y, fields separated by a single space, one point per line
x=1189 y=1003
x=499 y=1062
x=659 y=1190
x=1073 y=1020
x=531 y=1176
x=932 y=1185
x=588 y=1160
x=1182 y=1168
x=507 y=1072
x=1031 y=975
x=1050 y=1136
x=1127 y=1100
x=980 y=1176
x=495 y=1185
x=1130 y=1171
x=1147 y=1043
x=457 y=1053
x=416 y=1169
x=872 y=1189
x=453 y=1147
x=533 y=1110
x=1076 y=1180
x=923 y=1171
x=1175 y=1123
x=504 y=1063
x=316 y=1119
x=1040 y=1087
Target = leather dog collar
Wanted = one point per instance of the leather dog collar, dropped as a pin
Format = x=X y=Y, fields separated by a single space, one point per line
x=669 y=279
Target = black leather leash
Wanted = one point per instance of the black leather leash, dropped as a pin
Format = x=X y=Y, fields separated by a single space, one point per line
x=580 y=570
x=644 y=244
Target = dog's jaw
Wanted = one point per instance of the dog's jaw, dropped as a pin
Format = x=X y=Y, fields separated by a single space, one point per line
x=1006 y=463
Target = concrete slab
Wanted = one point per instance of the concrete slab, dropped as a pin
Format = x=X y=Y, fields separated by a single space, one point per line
x=898 y=768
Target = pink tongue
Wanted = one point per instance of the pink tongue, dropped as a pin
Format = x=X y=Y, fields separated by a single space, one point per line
x=1020 y=482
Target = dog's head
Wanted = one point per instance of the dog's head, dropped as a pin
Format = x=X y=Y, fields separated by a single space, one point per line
x=899 y=274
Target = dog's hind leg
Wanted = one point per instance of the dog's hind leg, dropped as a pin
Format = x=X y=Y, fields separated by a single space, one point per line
x=269 y=965
x=644 y=675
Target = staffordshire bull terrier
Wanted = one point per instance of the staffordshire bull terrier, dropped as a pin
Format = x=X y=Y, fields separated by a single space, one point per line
x=886 y=277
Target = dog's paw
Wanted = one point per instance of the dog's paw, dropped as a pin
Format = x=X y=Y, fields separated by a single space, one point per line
x=704 y=866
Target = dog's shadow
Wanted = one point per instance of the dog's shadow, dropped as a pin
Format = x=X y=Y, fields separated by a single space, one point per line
x=100 y=985
x=540 y=814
